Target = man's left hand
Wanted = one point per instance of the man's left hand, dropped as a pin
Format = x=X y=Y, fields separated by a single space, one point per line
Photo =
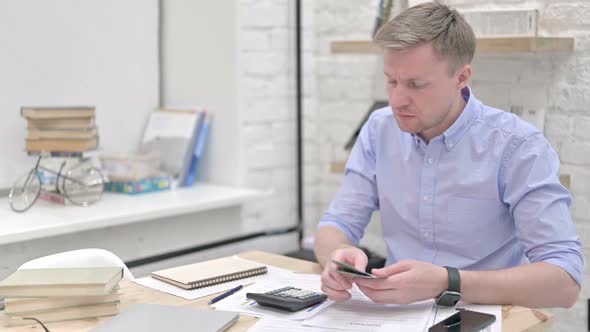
x=405 y=282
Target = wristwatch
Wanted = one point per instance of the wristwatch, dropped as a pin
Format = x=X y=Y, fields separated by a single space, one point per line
x=452 y=295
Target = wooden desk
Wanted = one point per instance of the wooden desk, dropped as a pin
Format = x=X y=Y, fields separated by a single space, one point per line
x=515 y=319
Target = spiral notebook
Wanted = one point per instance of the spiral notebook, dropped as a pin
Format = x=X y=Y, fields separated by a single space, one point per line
x=210 y=272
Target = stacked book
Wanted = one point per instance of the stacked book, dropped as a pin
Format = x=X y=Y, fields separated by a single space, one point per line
x=60 y=129
x=58 y=294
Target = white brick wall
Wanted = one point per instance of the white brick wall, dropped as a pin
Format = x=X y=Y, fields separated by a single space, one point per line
x=267 y=108
x=558 y=82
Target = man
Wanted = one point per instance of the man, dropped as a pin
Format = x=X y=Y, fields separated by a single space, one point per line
x=469 y=196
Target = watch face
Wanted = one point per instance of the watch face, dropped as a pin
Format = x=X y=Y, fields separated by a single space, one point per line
x=448 y=299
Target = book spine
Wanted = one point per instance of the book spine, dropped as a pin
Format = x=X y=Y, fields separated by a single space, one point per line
x=192 y=174
x=184 y=171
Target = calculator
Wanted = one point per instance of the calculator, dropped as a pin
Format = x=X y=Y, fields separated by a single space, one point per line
x=288 y=298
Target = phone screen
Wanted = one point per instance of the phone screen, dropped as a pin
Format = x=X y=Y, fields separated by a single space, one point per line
x=464 y=321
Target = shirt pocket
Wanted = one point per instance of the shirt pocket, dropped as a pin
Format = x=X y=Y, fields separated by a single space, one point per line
x=477 y=226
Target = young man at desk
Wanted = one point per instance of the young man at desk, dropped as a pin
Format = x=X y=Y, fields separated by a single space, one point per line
x=469 y=196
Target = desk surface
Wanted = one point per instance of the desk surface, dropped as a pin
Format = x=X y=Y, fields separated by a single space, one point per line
x=515 y=319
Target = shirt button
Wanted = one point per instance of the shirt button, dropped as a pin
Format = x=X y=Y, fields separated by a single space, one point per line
x=430 y=161
x=426 y=197
x=450 y=145
x=425 y=234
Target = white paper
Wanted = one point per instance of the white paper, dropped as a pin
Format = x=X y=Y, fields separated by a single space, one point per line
x=495 y=310
x=275 y=324
x=206 y=291
x=361 y=314
x=239 y=303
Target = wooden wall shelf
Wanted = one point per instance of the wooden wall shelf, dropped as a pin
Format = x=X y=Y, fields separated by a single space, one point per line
x=484 y=45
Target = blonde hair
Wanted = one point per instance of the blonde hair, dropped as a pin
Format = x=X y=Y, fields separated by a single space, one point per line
x=451 y=36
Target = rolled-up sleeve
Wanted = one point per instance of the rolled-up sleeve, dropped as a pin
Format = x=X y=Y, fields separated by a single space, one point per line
x=357 y=199
x=539 y=205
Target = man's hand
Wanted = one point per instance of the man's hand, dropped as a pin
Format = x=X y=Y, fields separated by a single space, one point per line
x=336 y=285
x=405 y=282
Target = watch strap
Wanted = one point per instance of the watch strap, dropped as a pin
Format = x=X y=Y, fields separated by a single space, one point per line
x=454 y=279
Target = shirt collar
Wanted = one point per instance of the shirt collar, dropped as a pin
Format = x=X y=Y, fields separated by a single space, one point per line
x=454 y=133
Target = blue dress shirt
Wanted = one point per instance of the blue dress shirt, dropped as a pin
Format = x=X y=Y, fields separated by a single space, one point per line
x=483 y=195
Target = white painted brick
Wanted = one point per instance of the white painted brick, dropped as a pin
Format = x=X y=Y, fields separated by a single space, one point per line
x=283 y=179
x=529 y=98
x=337 y=89
x=569 y=98
x=311 y=153
x=576 y=153
x=311 y=174
x=259 y=88
x=338 y=132
x=256 y=133
x=560 y=16
x=574 y=71
x=260 y=157
x=283 y=132
x=345 y=112
x=325 y=152
x=581 y=208
x=264 y=14
x=492 y=94
x=283 y=40
x=310 y=131
x=582 y=41
x=269 y=63
x=284 y=154
x=347 y=67
x=582 y=128
x=557 y=126
x=580 y=183
x=258 y=179
x=497 y=69
x=270 y=109
x=255 y=40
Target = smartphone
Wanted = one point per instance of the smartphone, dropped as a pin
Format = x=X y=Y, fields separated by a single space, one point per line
x=351 y=271
x=464 y=321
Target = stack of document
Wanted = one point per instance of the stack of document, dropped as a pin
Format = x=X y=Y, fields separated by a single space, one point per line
x=357 y=314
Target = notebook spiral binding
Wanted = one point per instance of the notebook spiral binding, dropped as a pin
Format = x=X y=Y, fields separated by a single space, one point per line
x=229 y=277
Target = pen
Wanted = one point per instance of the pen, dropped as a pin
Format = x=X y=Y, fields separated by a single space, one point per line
x=226 y=294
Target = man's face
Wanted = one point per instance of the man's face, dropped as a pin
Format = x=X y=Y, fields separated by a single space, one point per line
x=424 y=96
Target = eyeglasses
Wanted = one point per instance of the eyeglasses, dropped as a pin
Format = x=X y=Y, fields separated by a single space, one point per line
x=80 y=183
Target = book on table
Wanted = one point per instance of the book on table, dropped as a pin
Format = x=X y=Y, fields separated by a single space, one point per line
x=209 y=273
x=62 y=314
x=20 y=305
x=47 y=282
